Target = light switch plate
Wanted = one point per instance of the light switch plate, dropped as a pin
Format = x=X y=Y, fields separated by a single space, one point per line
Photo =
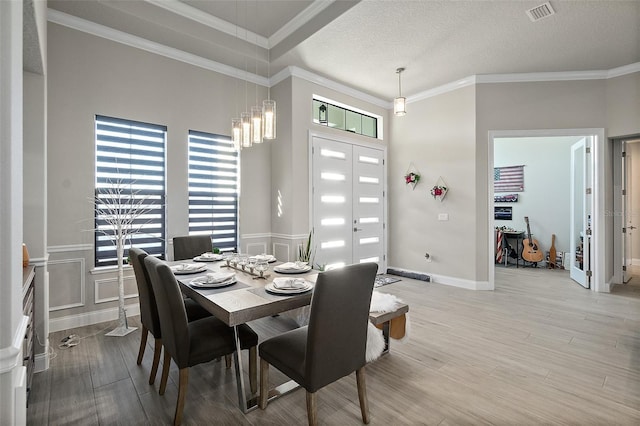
x=443 y=216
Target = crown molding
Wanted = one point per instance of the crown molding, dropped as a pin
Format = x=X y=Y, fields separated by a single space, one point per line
x=98 y=30
x=293 y=71
x=449 y=87
x=102 y=31
x=211 y=21
x=541 y=76
x=299 y=20
x=623 y=70
x=526 y=77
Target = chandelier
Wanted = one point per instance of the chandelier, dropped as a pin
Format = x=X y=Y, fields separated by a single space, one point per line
x=257 y=124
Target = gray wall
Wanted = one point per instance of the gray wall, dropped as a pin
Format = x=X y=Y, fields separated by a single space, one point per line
x=437 y=137
x=447 y=135
x=89 y=75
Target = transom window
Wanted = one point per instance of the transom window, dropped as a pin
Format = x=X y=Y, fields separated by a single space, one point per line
x=129 y=187
x=341 y=117
x=213 y=189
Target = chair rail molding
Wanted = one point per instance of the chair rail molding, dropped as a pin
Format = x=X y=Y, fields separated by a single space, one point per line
x=69 y=247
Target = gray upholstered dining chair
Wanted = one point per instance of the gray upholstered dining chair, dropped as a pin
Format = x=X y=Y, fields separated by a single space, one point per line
x=149 y=311
x=195 y=342
x=190 y=246
x=333 y=345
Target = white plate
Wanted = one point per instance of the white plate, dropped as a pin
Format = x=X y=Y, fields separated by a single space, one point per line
x=190 y=269
x=201 y=282
x=210 y=258
x=269 y=258
x=307 y=268
x=271 y=289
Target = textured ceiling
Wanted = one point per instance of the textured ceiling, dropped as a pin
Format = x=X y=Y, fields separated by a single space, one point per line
x=360 y=44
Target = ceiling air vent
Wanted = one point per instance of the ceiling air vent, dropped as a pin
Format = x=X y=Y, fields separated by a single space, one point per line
x=540 y=12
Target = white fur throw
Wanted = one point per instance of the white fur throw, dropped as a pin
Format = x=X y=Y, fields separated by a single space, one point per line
x=375 y=343
x=384 y=302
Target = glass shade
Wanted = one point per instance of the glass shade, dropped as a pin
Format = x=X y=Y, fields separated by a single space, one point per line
x=400 y=106
x=236 y=132
x=269 y=118
x=256 y=124
x=245 y=119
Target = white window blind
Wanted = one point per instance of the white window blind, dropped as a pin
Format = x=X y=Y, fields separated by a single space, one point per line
x=129 y=179
x=213 y=189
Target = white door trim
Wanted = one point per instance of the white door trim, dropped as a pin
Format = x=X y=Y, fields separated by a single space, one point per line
x=598 y=237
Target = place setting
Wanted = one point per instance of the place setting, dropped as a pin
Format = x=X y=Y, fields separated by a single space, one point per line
x=297 y=267
x=188 y=268
x=208 y=257
x=288 y=286
x=269 y=258
x=214 y=280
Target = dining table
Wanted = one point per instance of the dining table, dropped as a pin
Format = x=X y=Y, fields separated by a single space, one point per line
x=243 y=301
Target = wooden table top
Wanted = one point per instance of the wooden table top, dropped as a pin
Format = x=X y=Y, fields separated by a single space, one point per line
x=246 y=300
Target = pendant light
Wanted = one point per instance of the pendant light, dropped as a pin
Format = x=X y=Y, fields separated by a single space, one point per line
x=399 y=103
x=269 y=107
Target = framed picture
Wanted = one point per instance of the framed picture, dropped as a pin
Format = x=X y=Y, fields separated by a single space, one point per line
x=503 y=213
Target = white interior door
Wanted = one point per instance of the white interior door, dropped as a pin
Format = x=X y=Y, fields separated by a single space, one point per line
x=347 y=203
x=580 y=231
x=627 y=235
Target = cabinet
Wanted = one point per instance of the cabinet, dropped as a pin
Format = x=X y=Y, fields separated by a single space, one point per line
x=28 y=302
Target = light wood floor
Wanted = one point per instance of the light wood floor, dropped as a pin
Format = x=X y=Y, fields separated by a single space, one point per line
x=537 y=350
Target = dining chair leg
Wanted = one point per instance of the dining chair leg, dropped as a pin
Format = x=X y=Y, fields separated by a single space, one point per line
x=264 y=383
x=157 y=349
x=362 y=394
x=312 y=408
x=143 y=344
x=165 y=372
x=253 y=369
x=227 y=360
x=183 y=381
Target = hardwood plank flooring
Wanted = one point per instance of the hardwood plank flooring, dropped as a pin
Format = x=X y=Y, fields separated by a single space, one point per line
x=539 y=349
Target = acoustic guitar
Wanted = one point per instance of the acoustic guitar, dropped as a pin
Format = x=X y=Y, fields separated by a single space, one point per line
x=531 y=249
x=552 y=253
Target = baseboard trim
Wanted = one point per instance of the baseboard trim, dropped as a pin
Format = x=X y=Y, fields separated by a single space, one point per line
x=443 y=279
x=90 y=318
x=41 y=361
x=635 y=262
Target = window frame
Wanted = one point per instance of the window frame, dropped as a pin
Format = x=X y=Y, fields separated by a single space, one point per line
x=130 y=159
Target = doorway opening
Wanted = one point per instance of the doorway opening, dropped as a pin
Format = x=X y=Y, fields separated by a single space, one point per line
x=626 y=208
x=547 y=198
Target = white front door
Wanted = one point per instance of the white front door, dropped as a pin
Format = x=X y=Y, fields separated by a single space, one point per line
x=347 y=203
x=580 y=232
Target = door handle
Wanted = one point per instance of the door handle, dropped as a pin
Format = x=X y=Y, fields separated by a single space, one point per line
x=357 y=229
x=631 y=227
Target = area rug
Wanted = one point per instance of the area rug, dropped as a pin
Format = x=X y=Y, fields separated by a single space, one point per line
x=384 y=279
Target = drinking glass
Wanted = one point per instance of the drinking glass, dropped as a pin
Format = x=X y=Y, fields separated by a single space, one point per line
x=262 y=266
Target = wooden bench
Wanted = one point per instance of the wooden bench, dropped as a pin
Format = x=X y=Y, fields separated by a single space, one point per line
x=384 y=319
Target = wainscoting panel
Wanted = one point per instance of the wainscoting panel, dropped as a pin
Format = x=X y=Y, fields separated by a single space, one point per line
x=106 y=290
x=256 y=248
x=66 y=284
x=281 y=252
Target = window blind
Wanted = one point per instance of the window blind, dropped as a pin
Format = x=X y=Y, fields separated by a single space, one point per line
x=213 y=189
x=129 y=186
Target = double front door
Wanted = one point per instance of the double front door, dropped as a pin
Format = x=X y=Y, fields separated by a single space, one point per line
x=348 y=203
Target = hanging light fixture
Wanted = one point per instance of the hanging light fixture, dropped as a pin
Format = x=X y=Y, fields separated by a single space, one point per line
x=269 y=108
x=245 y=122
x=399 y=103
x=260 y=123
x=236 y=133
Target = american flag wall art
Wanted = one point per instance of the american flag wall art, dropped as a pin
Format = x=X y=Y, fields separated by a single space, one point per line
x=508 y=179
